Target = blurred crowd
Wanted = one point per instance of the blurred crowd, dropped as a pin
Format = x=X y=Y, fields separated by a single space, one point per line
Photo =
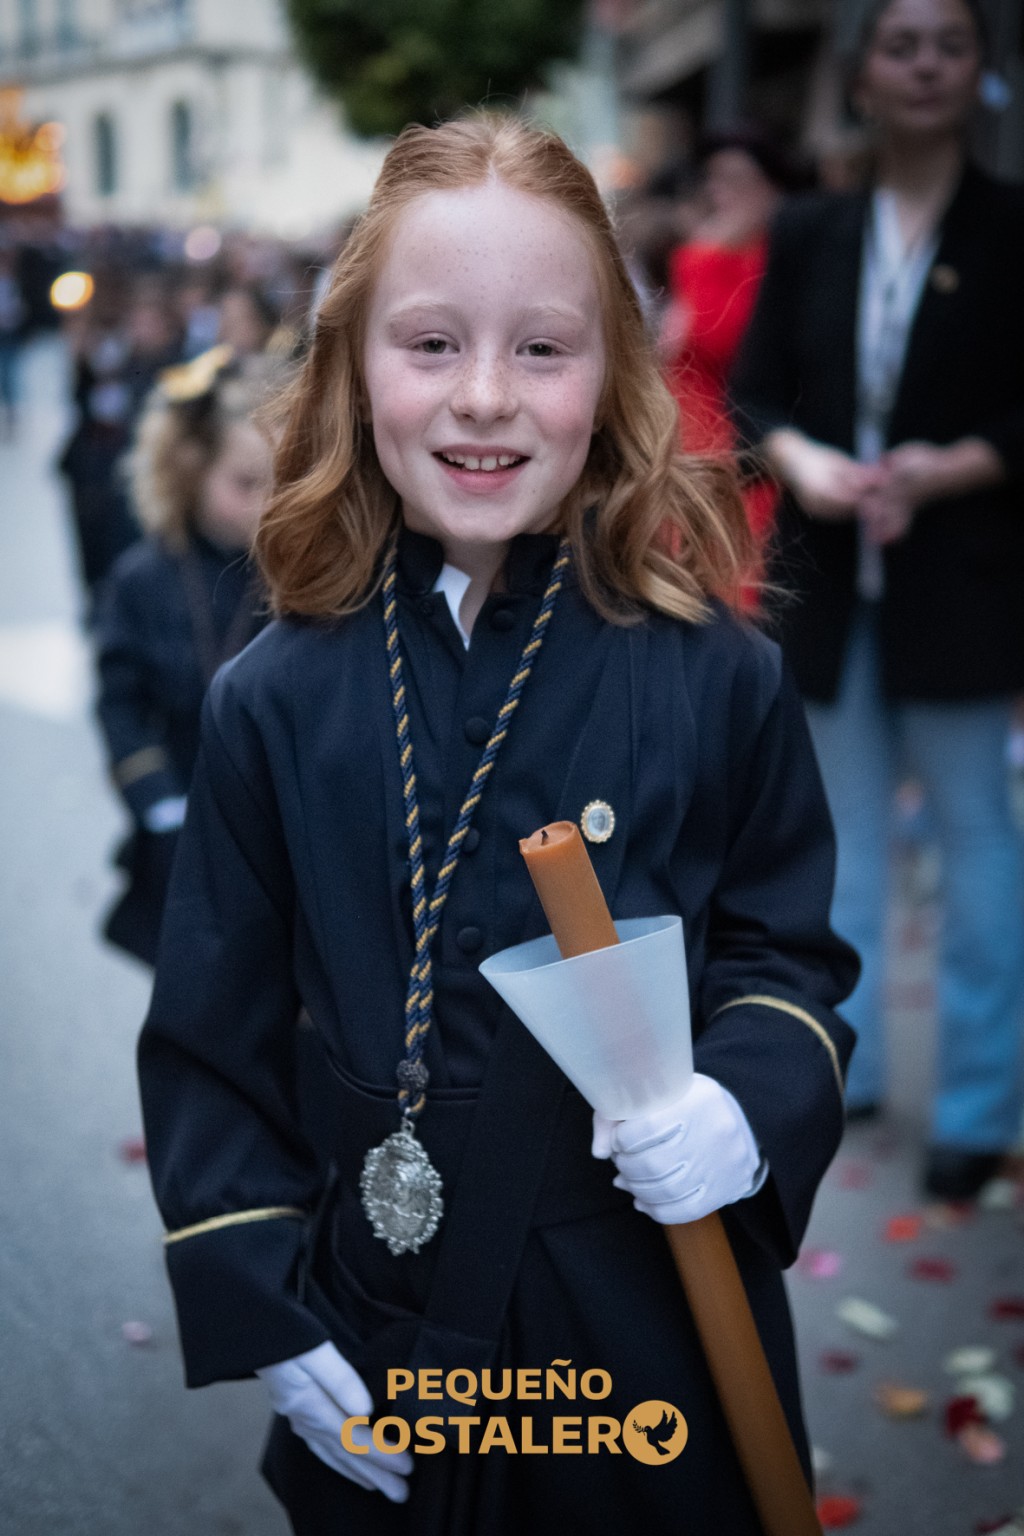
x=155 y=295
x=134 y=328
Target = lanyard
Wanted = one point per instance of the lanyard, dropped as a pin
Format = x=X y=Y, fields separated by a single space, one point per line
x=401 y=1188
x=426 y=913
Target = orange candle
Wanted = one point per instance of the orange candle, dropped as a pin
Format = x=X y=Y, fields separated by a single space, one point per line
x=580 y=921
x=568 y=888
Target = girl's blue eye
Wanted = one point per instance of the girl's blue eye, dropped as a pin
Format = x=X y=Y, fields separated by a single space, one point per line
x=433 y=346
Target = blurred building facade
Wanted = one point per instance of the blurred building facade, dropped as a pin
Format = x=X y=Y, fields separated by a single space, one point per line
x=177 y=112
x=686 y=65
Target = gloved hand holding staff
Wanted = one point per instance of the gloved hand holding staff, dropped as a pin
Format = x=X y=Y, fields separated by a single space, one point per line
x=581 y=924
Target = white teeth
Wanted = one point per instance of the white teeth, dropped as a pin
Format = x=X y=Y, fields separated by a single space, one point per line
x=488 y=464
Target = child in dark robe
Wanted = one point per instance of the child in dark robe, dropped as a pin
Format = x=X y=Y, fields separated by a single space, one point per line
x=465 y=549
x=175 y=606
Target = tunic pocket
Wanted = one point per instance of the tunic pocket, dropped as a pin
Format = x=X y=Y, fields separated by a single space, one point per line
x=373 y=1334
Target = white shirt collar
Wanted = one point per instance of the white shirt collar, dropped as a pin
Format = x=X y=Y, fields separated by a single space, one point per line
x=454 y=584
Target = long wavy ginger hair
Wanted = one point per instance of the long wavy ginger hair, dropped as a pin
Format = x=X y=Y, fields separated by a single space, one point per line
x=667 y=532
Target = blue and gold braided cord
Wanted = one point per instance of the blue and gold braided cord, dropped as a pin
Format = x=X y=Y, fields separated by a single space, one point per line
x=426 y=913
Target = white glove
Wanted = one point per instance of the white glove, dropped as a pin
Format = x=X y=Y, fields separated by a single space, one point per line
x=685 y=1161
x=316 y=1392
x=167 y=815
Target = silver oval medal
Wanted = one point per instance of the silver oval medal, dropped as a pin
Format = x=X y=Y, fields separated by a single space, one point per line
x=597 y=821
x=401 y=1192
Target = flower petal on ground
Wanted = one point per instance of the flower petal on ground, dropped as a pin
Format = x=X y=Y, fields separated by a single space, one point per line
x=819 y=1263
x=136 y=1333
x=864 y=1317
x=1007 y=1308
x=959 y=1412
x=898 y=1402
x=836 y=1510
x=945 y=1217
x=931 y=1269
x=969 y=1360
x=132 y=1149
x=999 y=1195
x=902 y=1229
x=838 y=1362
x=994 y=1395
x=982 y=1445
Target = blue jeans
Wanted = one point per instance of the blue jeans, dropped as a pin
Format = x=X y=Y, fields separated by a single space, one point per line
x=958 y=751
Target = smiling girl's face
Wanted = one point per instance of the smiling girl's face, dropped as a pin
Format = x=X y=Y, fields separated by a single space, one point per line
x=484 y=363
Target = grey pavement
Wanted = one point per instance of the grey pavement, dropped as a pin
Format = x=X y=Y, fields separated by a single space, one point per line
x=97 y=1435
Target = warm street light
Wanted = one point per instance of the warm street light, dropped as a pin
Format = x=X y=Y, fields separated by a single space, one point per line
x=72 y=290
x=30 y=160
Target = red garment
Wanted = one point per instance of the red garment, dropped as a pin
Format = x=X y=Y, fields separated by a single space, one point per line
x=718 y=285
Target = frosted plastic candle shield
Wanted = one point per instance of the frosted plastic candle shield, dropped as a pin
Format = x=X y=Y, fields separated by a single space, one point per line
x=616 y=1020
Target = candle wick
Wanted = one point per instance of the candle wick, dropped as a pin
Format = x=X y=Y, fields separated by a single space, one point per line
x=543 y=835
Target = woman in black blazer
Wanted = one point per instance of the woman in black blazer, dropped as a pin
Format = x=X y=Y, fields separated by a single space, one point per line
x=883 y=377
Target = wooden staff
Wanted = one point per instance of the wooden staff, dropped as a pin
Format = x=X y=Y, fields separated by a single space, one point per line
x=580 y=921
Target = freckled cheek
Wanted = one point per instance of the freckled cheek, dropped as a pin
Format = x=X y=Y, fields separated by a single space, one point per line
x=569 y=420
x=400 y=407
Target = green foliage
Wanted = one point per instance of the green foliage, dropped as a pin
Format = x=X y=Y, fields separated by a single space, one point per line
x=393 y=62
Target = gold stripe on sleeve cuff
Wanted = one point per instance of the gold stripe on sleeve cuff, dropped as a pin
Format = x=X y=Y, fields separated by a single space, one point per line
x=234 y=1219
x=796 y=1013
x=138 y=764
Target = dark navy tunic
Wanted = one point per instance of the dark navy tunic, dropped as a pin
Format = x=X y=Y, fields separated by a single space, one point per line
x=290 y=896
x=154 y=669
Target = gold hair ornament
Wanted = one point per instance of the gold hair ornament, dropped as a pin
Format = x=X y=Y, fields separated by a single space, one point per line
x=191 y=380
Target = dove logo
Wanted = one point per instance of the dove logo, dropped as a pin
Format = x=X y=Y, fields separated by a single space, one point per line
x=655 y=1432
